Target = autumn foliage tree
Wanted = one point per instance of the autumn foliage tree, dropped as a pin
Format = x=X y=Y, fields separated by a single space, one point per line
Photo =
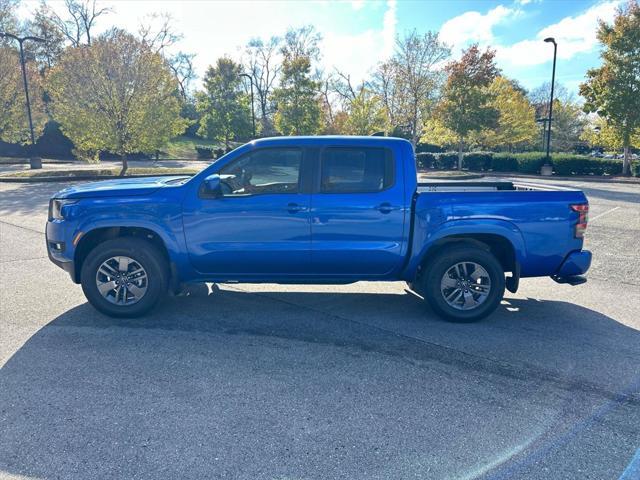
x=613 y=90
x=467 y=104
x=516 y=125
x=115 y=95
x=14 y=123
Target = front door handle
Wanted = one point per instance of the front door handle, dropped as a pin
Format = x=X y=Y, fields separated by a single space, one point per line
x=295 y=208
x=386 y=208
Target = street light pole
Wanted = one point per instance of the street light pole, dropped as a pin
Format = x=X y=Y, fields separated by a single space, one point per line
x=253 y=114
x=546 y=168
x=20 y=41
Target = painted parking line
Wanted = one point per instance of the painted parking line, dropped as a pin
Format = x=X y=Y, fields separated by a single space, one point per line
x=603 y=214
x=632 y=472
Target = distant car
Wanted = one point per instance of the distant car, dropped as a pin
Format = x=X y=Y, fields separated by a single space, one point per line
x=330 y=210
x=596 y=154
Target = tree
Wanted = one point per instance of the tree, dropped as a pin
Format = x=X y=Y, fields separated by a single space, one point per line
x=78 y=24
x=301 y=42
x=516 y=121
x=567 y=125
x=366 y=114
x=264 y=68
x=409 y=84
x=225 y=107
x=298 y=108
x=14 y=123
x=598 y=133
x=46 y=53
x=8 y=19
x=115 y=95
x=613 y=90
x=467 y=104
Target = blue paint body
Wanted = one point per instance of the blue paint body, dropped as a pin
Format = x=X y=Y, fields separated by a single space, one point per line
x=313 y=237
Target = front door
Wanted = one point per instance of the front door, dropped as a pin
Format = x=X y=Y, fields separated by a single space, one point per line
x=260 y=225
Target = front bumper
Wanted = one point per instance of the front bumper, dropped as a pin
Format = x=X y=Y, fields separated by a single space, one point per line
x=58 y=248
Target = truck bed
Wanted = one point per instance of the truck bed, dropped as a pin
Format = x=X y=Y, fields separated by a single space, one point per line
x=465 y=186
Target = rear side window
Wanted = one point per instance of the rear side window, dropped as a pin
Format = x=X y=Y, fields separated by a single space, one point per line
x=355 y=170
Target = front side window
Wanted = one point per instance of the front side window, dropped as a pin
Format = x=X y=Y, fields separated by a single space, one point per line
x=267 y=171
x=355 y=170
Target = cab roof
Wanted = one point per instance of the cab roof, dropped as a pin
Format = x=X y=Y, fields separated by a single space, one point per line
x=324 y=140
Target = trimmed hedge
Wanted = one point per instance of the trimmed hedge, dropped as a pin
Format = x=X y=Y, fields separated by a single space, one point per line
x=439 y=161
x=530 y=162
x=635 y=169
x=204 y=151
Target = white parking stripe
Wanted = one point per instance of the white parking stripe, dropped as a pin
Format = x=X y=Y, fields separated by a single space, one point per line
x=603 y=214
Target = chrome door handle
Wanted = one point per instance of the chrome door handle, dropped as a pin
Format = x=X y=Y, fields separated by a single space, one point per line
x=386 y=208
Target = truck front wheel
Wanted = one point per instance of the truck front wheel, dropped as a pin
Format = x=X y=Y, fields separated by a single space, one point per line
x=463 y=283
x=124 y=277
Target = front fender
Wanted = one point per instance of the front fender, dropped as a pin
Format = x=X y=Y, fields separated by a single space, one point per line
x=425 y=238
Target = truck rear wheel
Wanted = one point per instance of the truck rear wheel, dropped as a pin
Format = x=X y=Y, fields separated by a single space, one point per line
x=463 y=283
x=124 y=277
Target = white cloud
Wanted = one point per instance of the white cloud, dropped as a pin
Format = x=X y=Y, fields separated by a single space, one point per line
x=574 y=35
x=211 y=28
x=356 y=54
x=389 y=22
x=473 y=26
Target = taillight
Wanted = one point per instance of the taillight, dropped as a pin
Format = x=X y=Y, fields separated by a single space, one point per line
x=583 y=218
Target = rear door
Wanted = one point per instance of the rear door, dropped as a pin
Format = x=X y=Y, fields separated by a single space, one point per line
x=358 y=212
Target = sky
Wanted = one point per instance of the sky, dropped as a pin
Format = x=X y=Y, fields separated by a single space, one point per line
x=358 y=34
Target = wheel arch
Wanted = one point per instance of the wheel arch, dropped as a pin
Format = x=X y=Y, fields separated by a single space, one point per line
x=93 y=238
x=504 y=241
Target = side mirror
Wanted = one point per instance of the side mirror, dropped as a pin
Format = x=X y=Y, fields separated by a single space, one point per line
x=211 y=186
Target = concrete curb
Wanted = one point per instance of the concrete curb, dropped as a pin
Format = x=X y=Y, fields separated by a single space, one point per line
x=576 y=178
x=10 y=179
x=470 y=176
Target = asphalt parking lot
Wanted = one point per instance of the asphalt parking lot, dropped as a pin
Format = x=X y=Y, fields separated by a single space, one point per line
x=320 y=382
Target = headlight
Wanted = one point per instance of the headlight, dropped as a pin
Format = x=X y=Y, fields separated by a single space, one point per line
x=56 y=208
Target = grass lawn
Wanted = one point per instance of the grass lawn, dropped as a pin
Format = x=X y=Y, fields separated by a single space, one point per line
x=184 y=147
x=101 y=172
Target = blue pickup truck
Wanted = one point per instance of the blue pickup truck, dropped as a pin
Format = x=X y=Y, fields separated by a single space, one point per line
x=319 y=210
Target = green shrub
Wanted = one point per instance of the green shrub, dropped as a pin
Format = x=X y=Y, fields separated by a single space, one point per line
x=218 y=152
x=565 y=164
x=446 y=161
x=530 y=162
x=425 y=160
x=204 y=151
x=635 y=169
x=504 y=162
x=479 y=161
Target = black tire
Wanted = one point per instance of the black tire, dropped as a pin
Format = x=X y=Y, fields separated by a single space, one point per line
x=437 y=268
x=142 y=252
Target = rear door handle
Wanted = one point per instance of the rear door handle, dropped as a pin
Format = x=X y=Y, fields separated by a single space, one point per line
x=295 y=208
x=386 y=208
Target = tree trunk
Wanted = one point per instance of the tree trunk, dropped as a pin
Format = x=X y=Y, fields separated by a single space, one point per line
x=460 y=154
x=125 y=165
x=626 y=162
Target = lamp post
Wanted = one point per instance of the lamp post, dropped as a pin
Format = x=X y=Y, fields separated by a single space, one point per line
x=543 y=122
x=547 y=169
x=34 y=163
x=253 y=114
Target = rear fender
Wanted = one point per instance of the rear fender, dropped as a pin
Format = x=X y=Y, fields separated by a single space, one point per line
x=467 y=228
